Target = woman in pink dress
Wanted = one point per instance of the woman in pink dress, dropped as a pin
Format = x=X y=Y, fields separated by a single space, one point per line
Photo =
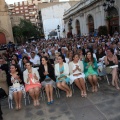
x=32 y=84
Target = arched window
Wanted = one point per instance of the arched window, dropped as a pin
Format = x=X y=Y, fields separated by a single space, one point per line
x=114 y=20
x=77 y=27
x=90 y=24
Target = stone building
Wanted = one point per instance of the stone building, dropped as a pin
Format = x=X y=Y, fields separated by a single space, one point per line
x=6 y=34
x=52 y=16
x=24 y=8
x=87 y=15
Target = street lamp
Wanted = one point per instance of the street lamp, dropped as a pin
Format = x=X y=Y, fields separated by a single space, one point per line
x=108 y=5
x=70 y=25
x=58 y=27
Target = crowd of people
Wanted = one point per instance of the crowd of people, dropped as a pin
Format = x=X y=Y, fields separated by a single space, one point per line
x=57 y=63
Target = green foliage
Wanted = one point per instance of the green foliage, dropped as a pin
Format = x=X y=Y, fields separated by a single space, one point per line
x=25 y=30
x=109 y=18
x=102 y=30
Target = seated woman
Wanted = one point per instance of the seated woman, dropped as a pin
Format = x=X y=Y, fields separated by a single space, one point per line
x=15 y=83
x=81 y=56
x=32 y=84
x=56 y=57
x=100 y=54
x=77 y=75
x=62 y=72
x=22 y=65
x=47 y=76
x=90 y=70
x=111 y=60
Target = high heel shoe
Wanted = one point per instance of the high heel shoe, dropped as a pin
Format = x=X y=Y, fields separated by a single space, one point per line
x=19 y=107
x=48 y=103
x=52 y=101
x=37 y=103
x=96 y=89
x=93 y=89
x=85 y=94
x=82 y=94
x=34 y=103
x=70 y=94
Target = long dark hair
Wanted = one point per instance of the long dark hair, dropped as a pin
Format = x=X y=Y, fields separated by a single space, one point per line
x=46 y=58
x=111 y=50
x=25 y=57
x=16 y=67
x=62 y=56
x=74 y=56
x=15 y=56
x=92 y=58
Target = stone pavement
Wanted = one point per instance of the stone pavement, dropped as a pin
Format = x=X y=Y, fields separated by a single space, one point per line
x=103 y=105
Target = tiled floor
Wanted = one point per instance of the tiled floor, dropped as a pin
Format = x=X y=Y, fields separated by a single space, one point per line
x=103 y=105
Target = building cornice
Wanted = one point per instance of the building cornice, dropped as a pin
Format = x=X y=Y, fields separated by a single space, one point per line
x=79 y=7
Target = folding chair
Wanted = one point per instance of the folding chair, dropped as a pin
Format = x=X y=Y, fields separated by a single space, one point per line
x=44 y=93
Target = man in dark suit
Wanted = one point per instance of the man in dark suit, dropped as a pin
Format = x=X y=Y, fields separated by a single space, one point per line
x=1 y=118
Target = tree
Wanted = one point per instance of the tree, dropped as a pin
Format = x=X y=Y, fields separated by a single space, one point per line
x=25 y=30
x=17 y=33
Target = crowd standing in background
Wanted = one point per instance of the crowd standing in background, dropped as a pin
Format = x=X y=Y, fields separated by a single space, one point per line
x=58 y=63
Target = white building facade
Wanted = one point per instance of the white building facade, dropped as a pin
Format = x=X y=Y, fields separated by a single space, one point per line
x=52 y=16
x=88 y=15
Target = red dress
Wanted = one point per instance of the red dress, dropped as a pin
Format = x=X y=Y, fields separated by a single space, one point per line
x=33 y=83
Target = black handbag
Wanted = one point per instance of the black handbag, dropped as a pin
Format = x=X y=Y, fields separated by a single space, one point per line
x=2 y=94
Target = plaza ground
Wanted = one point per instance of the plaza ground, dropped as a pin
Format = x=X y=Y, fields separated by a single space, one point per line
x=103 y=105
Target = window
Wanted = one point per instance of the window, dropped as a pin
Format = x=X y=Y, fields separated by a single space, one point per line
x=21 y=7
x=17 y=12
x=25 y=7
x=16 y=8
x=26 y=10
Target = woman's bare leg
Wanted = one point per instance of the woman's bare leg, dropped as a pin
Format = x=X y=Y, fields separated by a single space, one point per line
x=15 y=95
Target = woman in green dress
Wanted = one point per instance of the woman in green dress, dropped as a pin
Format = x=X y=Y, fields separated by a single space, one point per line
x=90 y=70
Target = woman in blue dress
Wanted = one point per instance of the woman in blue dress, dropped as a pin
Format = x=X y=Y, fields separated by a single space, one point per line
x=90 y=70
x=62 y=73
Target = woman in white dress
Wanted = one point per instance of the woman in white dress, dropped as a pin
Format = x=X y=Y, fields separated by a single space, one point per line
x=77 y=75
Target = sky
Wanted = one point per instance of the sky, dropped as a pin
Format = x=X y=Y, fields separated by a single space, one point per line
x=12 y=1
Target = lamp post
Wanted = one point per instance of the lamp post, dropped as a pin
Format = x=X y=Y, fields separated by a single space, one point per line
x=58 y=27
x=70 y=23
x=108 y=5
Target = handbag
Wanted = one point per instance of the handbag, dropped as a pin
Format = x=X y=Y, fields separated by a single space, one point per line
x=16 y=85
x=108 y=70
x=62 y=77
x=2 y=93
x=47 y=79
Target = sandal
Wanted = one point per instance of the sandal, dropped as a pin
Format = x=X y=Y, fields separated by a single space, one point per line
x=37 y=103
x=70 y=95
x=85 y=94
x=52 y=101
x=34 y=103
x=19 y=107
x=48 y=103
x=82 y=94
x=96 y=89
x=93 y=89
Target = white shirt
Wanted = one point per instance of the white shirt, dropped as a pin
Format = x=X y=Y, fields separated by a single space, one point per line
x=35 y=60
x=74 y=67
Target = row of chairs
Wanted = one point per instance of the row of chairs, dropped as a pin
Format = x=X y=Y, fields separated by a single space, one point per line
x=57 y=91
